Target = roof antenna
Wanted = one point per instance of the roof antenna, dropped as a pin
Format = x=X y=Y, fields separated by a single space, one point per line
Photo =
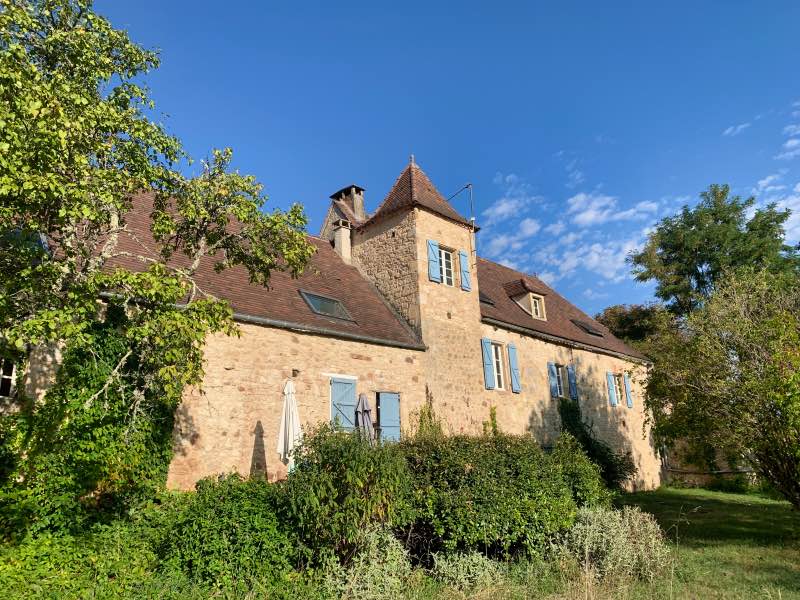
x=411 y=159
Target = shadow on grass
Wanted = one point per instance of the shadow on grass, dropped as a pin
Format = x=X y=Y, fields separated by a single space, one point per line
x=702 y=517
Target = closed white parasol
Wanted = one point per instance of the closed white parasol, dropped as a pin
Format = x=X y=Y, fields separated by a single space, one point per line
x=289 y=432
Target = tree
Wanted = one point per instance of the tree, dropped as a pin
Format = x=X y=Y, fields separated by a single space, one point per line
x=76 y=143
x=688 y=253
x=728 y=376
x=631 y=322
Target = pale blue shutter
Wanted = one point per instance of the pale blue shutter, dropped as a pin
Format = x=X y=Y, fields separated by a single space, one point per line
x=434 y=271
x=389 y=416
x=512 y=359
x=343 y=403
x=573 y=382
x=628 y=396
x=612 y=395
x=488 y=363
x=463 y=262
x=552 y=374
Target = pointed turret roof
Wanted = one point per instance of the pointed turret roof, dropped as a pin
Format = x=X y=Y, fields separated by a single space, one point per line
x=413 y=188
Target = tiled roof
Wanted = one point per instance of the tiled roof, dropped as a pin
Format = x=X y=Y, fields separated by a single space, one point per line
x=413 y=188
x=326 y=275
x=496 y=282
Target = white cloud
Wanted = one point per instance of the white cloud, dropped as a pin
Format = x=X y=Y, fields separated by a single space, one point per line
x=503 y=208
x=594 y=295
x=769 y=184
x=735 y=129
x=791 y=149
x=595 y=209
x=555 y=228
x=797 y=188
x=548 y=277
x=529 y=227
x=517 y=197
x=791 y=130
x=575 y=176
x=500 y=244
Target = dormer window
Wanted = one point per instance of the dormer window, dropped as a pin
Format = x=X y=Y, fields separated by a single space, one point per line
x=446 y=266
x=537 y=307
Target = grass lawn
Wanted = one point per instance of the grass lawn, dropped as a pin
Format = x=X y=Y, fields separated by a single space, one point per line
x=727 y=545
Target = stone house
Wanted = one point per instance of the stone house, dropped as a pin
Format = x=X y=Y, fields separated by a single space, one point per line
x=398 y=305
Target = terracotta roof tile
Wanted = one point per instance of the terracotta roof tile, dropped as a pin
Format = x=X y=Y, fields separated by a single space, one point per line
x=326 y=275
x=493 y=281
x=414 y=188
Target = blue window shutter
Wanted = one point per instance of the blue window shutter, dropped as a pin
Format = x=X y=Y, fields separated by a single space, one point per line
x=628 y=396
x=512 y=359
x=488 y=363
x=573 y=382
x=553 y=376
x=343 y=403
x=612 y=396
x=389 y=407
x=434 y=272
x=463 y=262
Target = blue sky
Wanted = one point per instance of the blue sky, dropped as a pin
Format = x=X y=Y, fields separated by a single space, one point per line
x=579 y=124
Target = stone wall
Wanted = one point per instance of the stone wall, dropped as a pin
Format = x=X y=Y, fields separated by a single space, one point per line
x=386 y=254
x=233 y=424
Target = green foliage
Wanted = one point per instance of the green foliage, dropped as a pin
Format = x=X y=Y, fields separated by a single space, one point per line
x=631 y=322
x=379 y=570
x=76 y=143
x=583 y=476
x=466 y=572
x=614 y=544
x=500 y=495
x=615 y=467
x=228 y=533
x=339 y=487
x=728 y=377
x=688 y=254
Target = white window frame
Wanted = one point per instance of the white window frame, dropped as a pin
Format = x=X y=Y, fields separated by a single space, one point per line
x=537 y=300
x=447 y=260
x=619 y=386
x=12 y=379
x=562 y=381
x=499 y=366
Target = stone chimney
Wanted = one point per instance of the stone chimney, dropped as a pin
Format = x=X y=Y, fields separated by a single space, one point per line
x=341 y=240
x=353 y=197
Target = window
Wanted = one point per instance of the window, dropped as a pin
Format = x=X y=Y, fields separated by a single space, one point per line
x=562 y=380
x=619 y=386
x=588 y=327
x=7 y=373
x=446 y=266
x=328 y=307
x=537 y=307
x=499 y=374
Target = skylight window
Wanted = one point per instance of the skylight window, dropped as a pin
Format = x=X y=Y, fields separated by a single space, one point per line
x=588 y=327
x=327 y=307
x=485 y=299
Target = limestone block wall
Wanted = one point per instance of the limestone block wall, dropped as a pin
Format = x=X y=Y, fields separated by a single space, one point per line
x=534 y=411
x=386 y=254
x=233 y=424
x=450 y=326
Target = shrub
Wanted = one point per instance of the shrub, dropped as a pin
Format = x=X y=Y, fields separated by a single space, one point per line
x=341 y=485
x=466 y=572
x=498 y=494
x=581 y=474
x=380 y=569
x=615 y=544
x=615 y=467
x=228 y=533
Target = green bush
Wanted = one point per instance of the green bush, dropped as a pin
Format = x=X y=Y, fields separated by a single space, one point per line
x=581 y=474
x=615 y=467
x=339 y=487
x=228 y=533
x=466 y=572
x=379 y=570
x=613 y=544
x=498 y=494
